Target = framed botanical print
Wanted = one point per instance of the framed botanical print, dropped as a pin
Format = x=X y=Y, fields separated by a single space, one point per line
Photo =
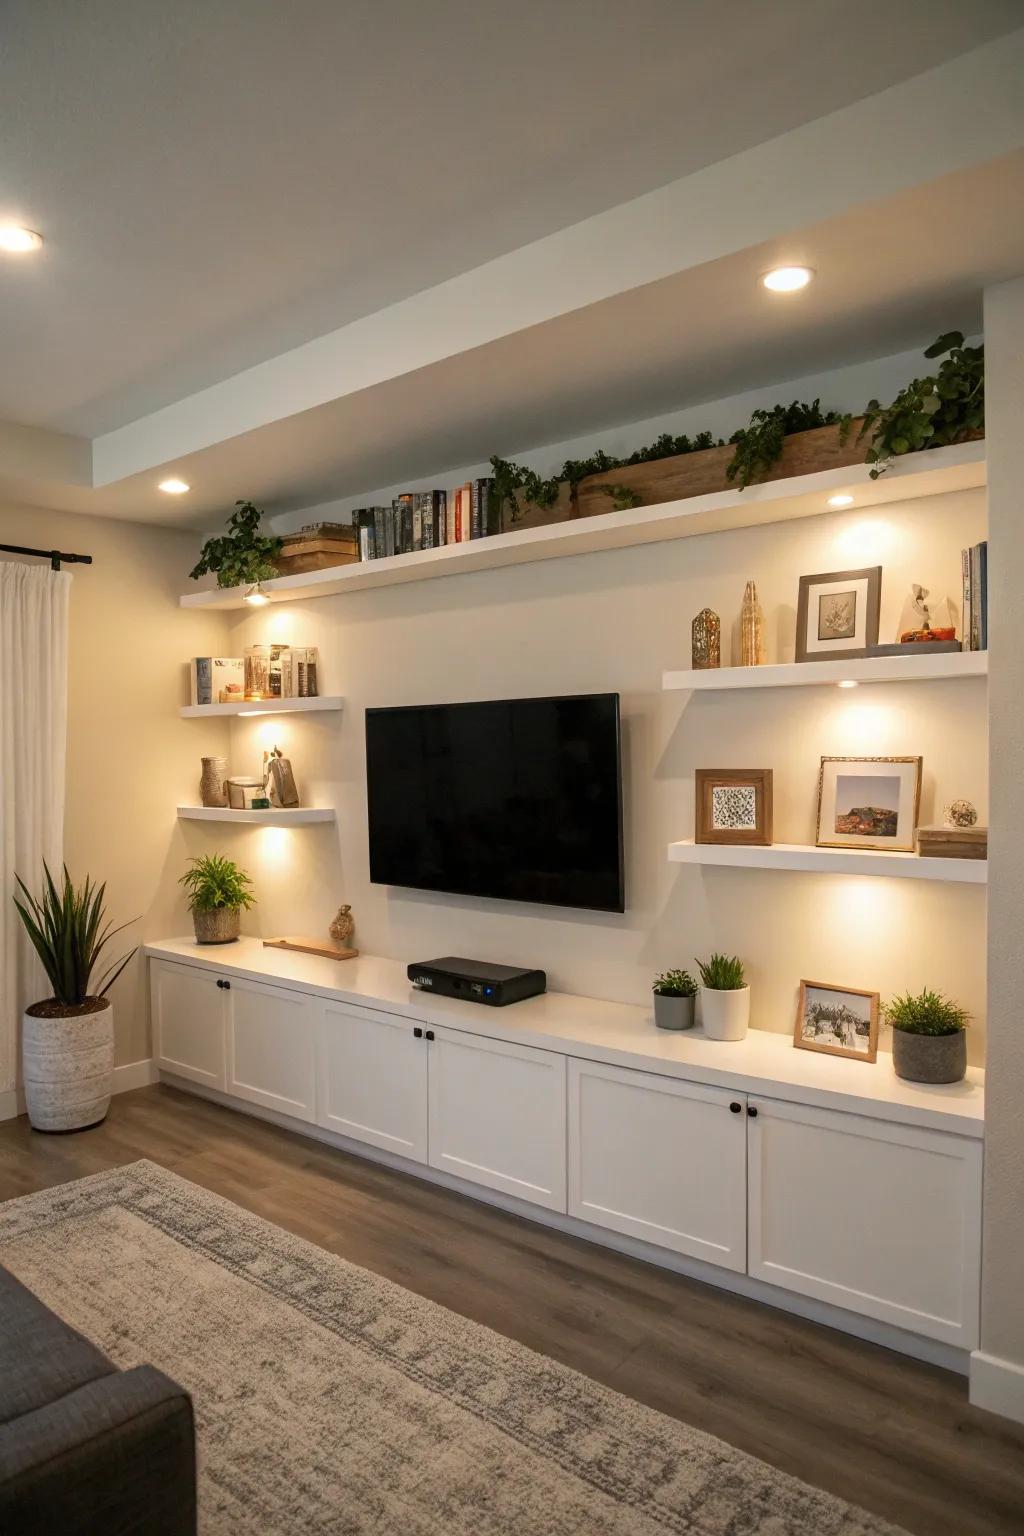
x=869 y=802
x=734 y=805
x=840 y=1021
x=837 y=614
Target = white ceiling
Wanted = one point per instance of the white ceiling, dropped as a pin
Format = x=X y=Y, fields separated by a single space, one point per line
x=220 y=180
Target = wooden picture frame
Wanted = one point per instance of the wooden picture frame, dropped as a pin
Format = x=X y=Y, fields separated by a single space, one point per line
x=847 y=1023
x=843 y=825
x=846 y=602
x=733 y=805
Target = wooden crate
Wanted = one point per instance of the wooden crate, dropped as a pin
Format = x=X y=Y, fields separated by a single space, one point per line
x=300 y=556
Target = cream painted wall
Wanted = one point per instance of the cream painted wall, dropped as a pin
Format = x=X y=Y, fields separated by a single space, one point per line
x=131 y=759
x=613 y=622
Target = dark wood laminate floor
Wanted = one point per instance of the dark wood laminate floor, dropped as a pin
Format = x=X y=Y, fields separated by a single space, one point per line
x=879 y=1429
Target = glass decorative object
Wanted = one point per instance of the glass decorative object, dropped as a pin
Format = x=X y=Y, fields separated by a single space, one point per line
x=706 y=640
x=752 y=647
x=257 y=672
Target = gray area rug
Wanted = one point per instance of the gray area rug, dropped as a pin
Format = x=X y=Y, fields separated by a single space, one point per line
x=331 y=1401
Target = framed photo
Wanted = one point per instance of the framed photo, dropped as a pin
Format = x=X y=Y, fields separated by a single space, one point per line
x=734 y=805
x=869 y=802
x=837 y=614
x=840 y=1021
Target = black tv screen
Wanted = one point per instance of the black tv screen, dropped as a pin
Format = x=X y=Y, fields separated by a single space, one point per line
x=516 y=798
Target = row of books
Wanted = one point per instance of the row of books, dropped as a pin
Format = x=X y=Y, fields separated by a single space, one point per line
x=265 y=672
x=428 y=519
x=974 y=564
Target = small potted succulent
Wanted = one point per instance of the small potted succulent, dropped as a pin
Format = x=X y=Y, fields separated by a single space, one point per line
x=67 y=1040
x=929 y=1037
x=217 y=892
x=725 y=998
x=674 y=992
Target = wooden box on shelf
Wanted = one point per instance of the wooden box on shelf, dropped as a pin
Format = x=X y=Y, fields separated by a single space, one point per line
x=317 y=548
x=952 y=842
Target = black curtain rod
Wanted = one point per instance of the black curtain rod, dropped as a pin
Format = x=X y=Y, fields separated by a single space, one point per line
x=55 y=556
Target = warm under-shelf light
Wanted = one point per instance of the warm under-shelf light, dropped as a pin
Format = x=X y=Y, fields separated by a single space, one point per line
x=256 y=597
x=848 y=682
x=174 y=486
x=787 y=279
x=841 y=500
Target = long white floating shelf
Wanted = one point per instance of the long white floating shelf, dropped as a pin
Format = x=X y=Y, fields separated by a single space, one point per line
x=263 y=707
x=959 y=468
x=802 y=674
x=296 y=816
x=834 y=861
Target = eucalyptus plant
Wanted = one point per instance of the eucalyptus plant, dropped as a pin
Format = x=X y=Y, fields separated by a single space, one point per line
x=69 y=933
x=242 y=556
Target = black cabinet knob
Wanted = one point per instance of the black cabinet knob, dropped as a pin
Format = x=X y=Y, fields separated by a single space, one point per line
x=430 y=1034
x=418 y=1033
x=752 y=1111
x=735 y=1108
x=224 y=985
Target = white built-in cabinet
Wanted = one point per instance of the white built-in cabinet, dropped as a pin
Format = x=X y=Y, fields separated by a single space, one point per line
x=870 y=1215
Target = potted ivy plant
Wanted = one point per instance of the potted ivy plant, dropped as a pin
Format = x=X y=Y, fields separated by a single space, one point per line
x=67 y=1039
x=241 y=557
x=725 y=998
x=217 y=892
x=929 y=1037
x=674 y=992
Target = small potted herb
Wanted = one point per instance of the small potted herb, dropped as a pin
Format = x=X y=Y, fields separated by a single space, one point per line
x=217 y=892
x=674 y=992
x=929 y=1037
x=725 y=998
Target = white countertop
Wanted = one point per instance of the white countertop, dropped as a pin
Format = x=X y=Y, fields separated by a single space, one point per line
x=621 y=1034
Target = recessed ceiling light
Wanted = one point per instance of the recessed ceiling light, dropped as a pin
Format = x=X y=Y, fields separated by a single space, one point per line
x=847 y=682
x=787 y=279
x=842 y=500
x=17 y=240
x=174 y=487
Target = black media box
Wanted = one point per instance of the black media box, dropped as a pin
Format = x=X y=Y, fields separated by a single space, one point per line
x=478 y=981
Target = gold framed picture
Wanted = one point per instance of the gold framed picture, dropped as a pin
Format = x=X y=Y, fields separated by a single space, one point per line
x=733 y=805
x=869 y=802
x=837 y=614
x=838 y=1021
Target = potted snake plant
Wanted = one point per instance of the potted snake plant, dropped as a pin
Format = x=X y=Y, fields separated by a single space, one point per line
x=67 y=1040
x=725 y=998
x=218 y=892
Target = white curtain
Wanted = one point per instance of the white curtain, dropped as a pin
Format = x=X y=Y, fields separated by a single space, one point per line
x=33 y=738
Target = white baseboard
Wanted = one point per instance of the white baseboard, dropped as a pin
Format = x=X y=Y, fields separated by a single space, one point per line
x=997 y=1385
x=133 y=1074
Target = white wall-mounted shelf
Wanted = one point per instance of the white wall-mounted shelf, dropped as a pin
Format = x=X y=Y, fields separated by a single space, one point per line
x=833 y=861
x=802 y=674
x=296 y=816
x=958 y=468
x=263 y=707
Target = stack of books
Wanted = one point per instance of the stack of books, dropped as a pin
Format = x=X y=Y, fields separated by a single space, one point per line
x=953 y=842
x=974 y=564
x=427 y=519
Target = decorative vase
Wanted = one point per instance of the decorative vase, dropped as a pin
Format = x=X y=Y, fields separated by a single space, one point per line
x=752 y=648
x=929 y=1058
x=706 y=640
x=213 y=785
x=68 y=1063
x=725 y=1015
x=344 y=926
x=673 y=1011
x=219 y=925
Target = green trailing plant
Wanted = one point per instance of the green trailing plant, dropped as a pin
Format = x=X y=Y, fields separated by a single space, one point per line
x=759 y=445
x=926 y=1013
x=932 y=412
x=68 y=929
x=243 y=555
x=514 y=486
x=215 y=884
x=722 y=973
x=622 y=497
x=675 y=984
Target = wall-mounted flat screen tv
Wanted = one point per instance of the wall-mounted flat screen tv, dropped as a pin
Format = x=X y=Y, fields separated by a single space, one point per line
x=514 y=798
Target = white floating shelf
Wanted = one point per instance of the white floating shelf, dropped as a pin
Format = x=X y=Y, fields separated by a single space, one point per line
x=833 y=861
x=263 y=707
x=297 y=816
x=868 y=669
x=959 y=468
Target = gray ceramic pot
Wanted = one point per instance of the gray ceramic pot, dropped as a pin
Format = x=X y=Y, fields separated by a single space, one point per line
x=672 y=1011
x=929 y=1058
x=220 y=926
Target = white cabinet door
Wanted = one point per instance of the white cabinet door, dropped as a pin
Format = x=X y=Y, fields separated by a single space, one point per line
x=189 y=1009
x=497 y=1115
x=271 y=1058
x=659 y=1159
x=882 y=1219
x=373 y=1079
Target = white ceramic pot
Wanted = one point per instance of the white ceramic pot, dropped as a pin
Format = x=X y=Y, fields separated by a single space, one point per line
x=68 y=1067
x=725 y=1015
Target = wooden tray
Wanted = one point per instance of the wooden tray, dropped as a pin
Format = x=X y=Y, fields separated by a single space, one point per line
x=312 y=947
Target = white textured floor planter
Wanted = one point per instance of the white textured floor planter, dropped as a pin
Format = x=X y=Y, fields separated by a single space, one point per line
x=725 y=1015
x=68 y=1067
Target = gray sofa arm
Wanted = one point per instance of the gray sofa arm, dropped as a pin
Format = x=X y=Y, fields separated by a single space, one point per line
x=116 y=1455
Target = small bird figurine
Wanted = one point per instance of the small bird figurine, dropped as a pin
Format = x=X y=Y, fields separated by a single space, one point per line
x=343 y=927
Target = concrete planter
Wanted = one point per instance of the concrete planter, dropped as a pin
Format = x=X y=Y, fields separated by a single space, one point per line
x=929 y=1058
x=68 y=1065
x=219 y=926
x=672 y=1011
x=725 y=1015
